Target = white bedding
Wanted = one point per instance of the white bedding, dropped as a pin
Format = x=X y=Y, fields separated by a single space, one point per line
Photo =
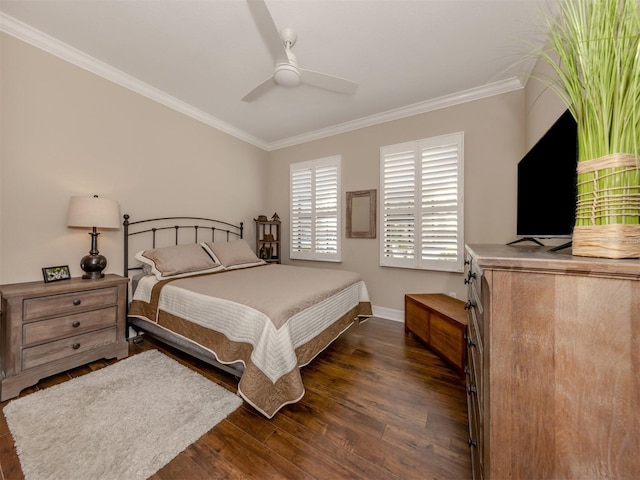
x=274 y=349
x=273 y=319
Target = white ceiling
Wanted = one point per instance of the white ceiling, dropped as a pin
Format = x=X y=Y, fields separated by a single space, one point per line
x=202 y=56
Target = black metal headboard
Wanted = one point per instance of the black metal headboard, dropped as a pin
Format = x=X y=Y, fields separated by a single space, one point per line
x=208 y=229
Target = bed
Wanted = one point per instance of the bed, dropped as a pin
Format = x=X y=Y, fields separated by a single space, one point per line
x=197 y=285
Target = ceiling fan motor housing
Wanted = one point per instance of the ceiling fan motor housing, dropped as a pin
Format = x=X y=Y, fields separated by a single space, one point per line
x=287 y=75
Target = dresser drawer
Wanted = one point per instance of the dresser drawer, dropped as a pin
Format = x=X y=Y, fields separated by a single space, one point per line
x=60 y=327
x=53 y=305
x=67 y=347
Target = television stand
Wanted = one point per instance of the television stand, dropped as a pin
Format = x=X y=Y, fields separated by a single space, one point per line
x=527 y=239
x=561 y=247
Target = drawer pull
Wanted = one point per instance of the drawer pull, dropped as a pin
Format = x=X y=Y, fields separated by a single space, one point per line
x=75 y=324
x=472 y=442
x=470 y=343
x=471 y=389
x=77 y=301
x=75 y=346
x=470 y=304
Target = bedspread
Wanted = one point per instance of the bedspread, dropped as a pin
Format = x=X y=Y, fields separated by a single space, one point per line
x=273 y=318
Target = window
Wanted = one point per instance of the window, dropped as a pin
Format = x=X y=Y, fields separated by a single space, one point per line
x=421 y=185
x=315 y=210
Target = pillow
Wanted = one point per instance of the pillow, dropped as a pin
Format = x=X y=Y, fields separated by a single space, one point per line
x=232 y=255
x=178 y=261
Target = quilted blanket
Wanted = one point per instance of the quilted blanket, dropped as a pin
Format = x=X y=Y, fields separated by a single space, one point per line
x=273 y=318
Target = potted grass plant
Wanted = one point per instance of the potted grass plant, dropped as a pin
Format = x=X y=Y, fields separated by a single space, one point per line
x=593 y=46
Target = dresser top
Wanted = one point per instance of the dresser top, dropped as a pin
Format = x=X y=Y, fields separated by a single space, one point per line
x=526 y=257
x=40 y=288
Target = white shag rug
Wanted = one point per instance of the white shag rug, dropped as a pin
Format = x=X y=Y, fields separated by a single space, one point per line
x=122 y=422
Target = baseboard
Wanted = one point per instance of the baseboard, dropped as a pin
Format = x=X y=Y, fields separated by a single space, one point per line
x=388 y=313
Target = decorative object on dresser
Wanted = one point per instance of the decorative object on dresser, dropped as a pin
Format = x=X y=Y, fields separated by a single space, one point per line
x=94 y=426
x=552 y=364
x=268 y=238
x=440 y=322
x=47 y=328
x=592 y=47
x=54 y=274
x=93 y=212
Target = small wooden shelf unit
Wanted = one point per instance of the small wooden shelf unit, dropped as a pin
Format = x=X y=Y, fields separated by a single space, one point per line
x=268 y=240
x=439 y=321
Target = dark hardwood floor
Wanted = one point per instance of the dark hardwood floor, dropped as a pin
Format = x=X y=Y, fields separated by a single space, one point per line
x=378 y=405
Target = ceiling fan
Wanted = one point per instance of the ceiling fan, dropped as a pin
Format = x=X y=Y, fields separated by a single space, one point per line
x=286 y=72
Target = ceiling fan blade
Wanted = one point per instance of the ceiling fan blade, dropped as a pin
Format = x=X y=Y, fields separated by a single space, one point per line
x=328 y=82
x=268 y=30
x=260 y=90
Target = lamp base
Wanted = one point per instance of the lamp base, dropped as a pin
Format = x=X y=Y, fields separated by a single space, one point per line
x=93 y=276
x=93 y=265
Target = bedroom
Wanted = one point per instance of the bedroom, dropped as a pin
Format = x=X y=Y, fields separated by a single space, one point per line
x=68 y=131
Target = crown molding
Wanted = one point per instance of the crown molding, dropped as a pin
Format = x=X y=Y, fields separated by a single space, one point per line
x=76 y=57
x=489 y=90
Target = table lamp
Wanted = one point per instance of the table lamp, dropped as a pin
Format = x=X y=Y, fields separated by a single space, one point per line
x=93 y=212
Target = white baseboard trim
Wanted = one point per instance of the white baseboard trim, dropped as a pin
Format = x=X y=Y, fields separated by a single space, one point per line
x=388 y=313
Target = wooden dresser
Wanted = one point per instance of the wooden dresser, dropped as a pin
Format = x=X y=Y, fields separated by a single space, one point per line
x=47 y=328
x=553 y=357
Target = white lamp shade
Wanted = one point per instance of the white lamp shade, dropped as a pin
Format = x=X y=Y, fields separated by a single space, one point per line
x=93 y=212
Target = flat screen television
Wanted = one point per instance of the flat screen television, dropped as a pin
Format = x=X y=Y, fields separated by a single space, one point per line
x=547 y=183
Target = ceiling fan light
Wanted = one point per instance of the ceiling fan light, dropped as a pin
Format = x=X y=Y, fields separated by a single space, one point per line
x=287 y=75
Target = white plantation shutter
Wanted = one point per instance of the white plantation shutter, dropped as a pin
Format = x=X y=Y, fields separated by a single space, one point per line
x=301 y=202
x=398 y=187
x=315 y=210
x=422 y=204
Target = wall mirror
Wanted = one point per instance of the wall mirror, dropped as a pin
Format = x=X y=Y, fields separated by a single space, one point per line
x=361 y=214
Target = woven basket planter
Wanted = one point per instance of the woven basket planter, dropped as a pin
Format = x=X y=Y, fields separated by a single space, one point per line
x=608 y=207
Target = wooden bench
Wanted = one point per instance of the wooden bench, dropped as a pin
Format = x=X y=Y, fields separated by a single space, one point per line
x=440 y=321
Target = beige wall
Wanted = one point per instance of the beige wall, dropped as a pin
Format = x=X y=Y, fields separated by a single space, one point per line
x=543 y=105
x=68 y=132
x=493 y=144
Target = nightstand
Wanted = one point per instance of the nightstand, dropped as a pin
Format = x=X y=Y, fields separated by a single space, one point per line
x=47 y=328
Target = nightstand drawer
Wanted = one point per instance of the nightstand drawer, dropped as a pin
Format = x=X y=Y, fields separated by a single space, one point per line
x=67 y=347
x=59 y=327
x=53 y=305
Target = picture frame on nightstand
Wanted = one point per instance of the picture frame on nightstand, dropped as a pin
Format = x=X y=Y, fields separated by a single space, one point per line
x=55 y=274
